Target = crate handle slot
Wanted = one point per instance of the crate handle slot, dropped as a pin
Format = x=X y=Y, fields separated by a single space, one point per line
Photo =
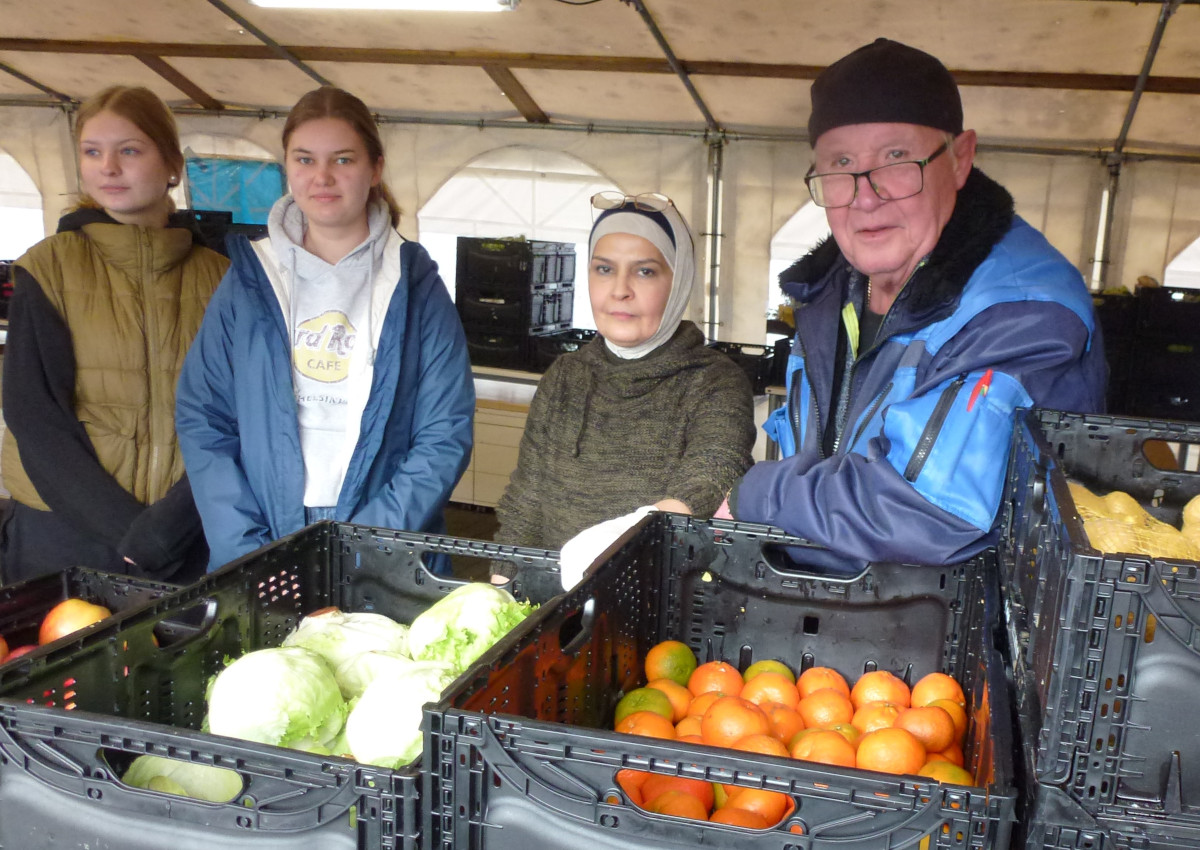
x=577 y=627
x=182 y=627
x=812 y=562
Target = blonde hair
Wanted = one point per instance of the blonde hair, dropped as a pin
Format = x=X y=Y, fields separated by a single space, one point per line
x=332 y=102
x=146 y=111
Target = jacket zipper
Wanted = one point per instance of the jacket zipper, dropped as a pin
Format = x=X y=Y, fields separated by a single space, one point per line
x=932 y=428
x=874 y=344
x=796 y=406
x=871 y=412
x=152 y=493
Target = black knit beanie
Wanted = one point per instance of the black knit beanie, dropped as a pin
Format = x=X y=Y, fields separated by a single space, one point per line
x=885 y=82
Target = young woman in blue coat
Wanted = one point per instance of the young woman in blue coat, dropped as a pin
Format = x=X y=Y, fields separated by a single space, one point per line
x=330 y=377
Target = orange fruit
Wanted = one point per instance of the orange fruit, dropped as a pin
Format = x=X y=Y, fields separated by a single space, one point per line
x=660 y=783
x=879 y=686
x=767 y=745
x=700 y=704
x=825 y=708
x=716 y=676
x=690 y=725
x=937 y=686
x=875 y=715
x=678 y=804
x=953 y=754
x=771 y=805
x=891 y=750
x=631 y=782
x=679 y=696
x=957 y=713
x=848 y=731
x=769 y=666
x=944 y=771
x=771 y=687
x=646 y=723
x=785 y=722
x=817 y=678
x=644 y=699
x=730 y=719
x=672 y=660
x=930 y=725
x=733 y=816
x=690 y=739
x=823 y=746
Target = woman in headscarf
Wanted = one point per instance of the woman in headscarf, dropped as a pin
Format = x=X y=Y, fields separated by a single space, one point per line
x=645 y=414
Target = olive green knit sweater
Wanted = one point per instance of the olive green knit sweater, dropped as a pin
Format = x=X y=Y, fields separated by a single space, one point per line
x=605 y=436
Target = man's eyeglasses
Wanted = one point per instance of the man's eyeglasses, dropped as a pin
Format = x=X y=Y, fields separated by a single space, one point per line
x=892 y=182
x=647 y=201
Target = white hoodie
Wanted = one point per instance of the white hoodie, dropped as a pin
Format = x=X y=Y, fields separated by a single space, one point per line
x=328 y=312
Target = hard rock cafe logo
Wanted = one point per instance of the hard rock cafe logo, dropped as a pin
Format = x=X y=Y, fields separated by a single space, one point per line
x=322 y=347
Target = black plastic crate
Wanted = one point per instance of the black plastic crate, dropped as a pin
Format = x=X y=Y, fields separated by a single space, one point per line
x=1169 y=312
x=1106 y=647
x=513 y=264
x=24 y=604
x=549 y=347
x=71 y=722
x=779 y=359
x=757 y=361
x=521 y=755
x=544 y=306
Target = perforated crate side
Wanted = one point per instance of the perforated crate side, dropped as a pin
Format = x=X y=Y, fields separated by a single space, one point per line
x=512 y=774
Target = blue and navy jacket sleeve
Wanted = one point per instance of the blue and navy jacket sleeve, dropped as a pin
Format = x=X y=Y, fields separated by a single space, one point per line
x=208 y=422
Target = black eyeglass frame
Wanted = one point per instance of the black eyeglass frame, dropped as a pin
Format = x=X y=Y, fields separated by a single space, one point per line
x=645 y=201
x=920 y=163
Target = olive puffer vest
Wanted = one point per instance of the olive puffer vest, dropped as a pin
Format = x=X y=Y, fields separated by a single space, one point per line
x=133 y=298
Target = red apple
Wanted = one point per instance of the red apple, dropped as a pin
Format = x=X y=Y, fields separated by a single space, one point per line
x=18 y=652
x=69 y=616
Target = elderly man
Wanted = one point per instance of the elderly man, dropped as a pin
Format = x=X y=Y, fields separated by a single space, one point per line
x=932 y=313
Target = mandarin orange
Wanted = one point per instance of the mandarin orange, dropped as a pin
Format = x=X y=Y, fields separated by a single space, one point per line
x=890 y=750
x=880 y=686
x=716 y=676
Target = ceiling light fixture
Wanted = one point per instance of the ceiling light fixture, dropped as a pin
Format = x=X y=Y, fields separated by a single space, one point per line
x=395 y=5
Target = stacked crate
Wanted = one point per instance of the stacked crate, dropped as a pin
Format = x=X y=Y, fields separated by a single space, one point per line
x=1105 y=646
x=510 y=290
x=1166 y=346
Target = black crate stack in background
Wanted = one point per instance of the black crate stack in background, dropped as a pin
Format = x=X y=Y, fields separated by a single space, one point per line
x=508 y=292
x=1152 y=341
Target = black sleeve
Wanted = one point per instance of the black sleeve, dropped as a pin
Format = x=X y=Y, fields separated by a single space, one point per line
x=39 y=408
x=163 y=532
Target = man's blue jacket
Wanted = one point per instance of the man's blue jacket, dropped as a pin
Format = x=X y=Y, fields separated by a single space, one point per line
x=236 y=412
x=992 y=320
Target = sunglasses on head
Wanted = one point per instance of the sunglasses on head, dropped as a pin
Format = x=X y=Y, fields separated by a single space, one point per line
x=647 y=201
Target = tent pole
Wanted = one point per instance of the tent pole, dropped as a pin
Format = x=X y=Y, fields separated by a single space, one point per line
x=1117 y=157
x=715 y=233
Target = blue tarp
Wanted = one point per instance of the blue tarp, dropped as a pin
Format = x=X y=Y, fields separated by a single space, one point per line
x=245 y=187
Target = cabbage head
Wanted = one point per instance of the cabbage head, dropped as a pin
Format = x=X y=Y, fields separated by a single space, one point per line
x=384 y=729
x=464 y=624
x=356 y=672
x=286 y=696
x=337 y=636
x=185 y=778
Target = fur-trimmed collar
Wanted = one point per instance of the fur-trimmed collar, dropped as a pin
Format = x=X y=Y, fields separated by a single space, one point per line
x=983 y=214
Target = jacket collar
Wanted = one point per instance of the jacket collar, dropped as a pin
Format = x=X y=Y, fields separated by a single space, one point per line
x=122 y=245
x=983 y=214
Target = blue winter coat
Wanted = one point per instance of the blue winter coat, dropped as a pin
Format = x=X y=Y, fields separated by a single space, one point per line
x=994 y=319
x=236 y=412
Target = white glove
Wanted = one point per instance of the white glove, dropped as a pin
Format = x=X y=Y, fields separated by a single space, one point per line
x=582 y=550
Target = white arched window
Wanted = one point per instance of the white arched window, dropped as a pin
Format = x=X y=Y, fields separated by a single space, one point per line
x=1184 y=270
x=21 y=222
x=796 y=238
x=516 y=191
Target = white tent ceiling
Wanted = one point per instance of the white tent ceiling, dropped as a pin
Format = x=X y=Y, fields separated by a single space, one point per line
x=1034 y=73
